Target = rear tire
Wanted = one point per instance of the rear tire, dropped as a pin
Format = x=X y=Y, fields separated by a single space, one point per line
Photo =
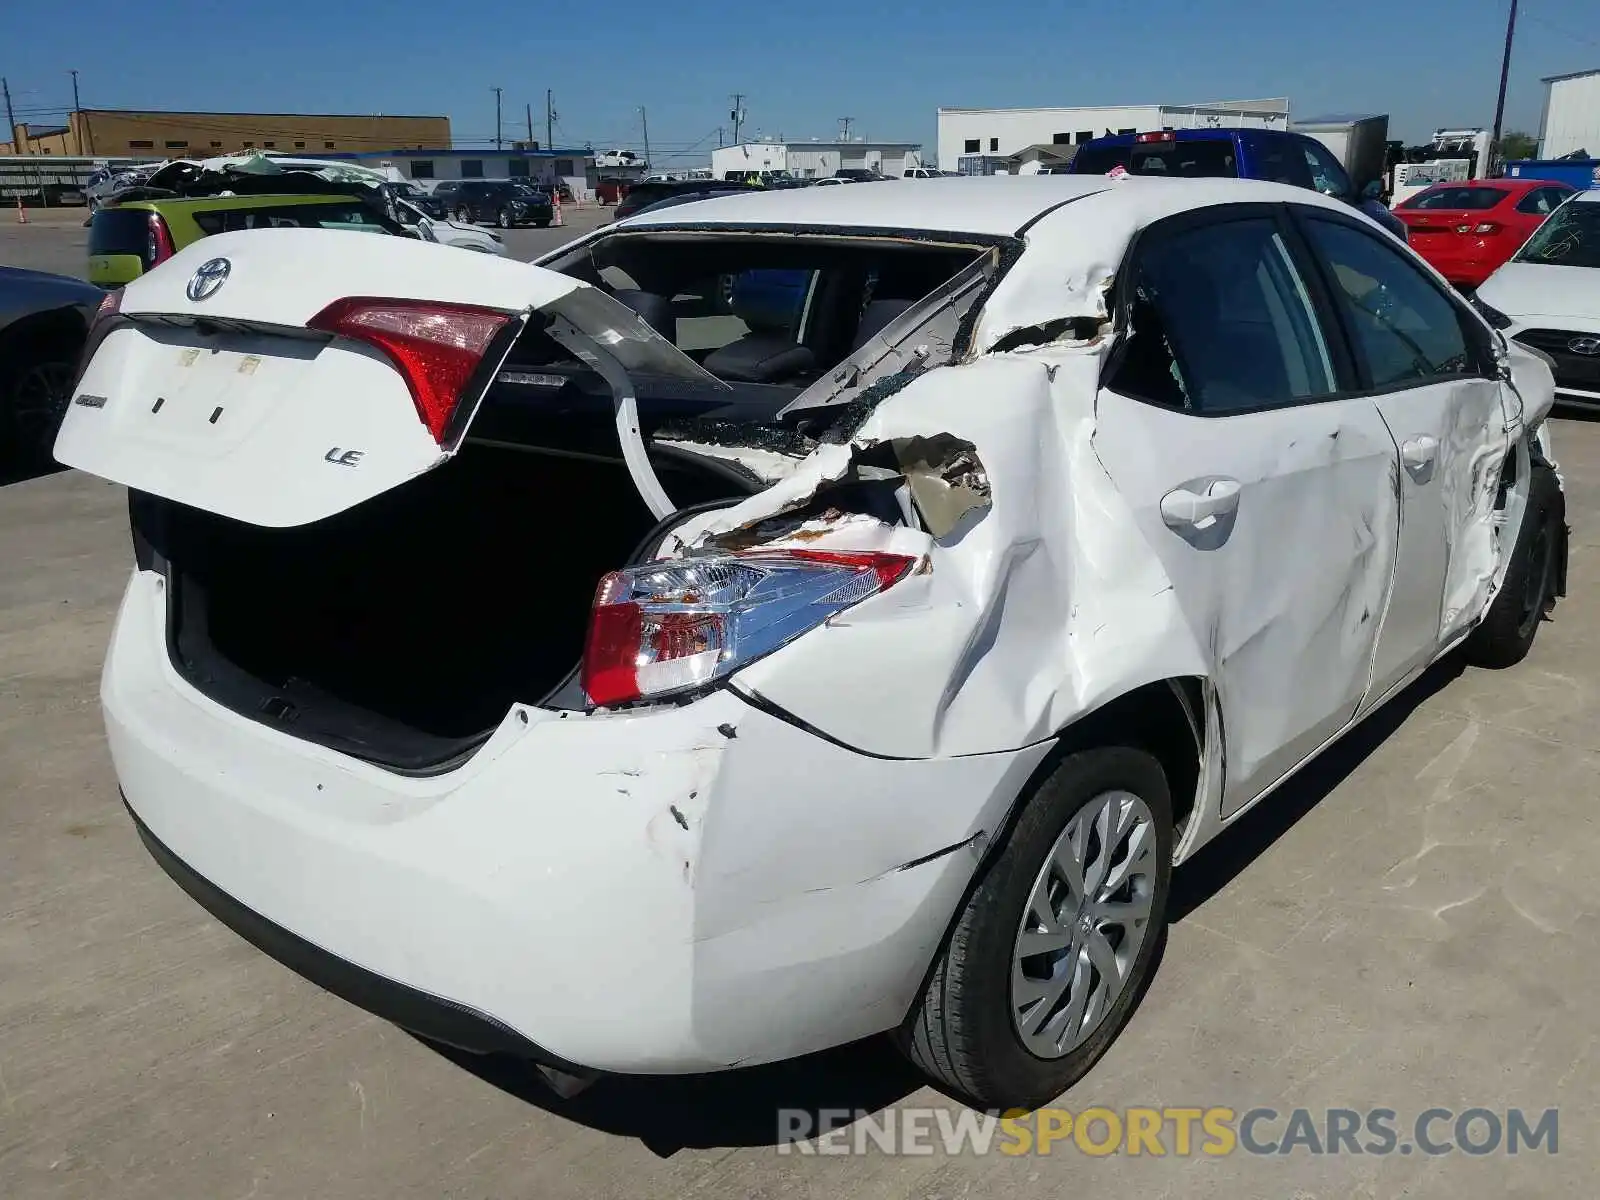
x=1528 y=592
x=463 y=216
x=966 y=1031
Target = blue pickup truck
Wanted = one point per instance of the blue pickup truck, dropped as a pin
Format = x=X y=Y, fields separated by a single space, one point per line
x=1273 y=154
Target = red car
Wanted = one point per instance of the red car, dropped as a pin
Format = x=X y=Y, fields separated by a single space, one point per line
x=1467 y=230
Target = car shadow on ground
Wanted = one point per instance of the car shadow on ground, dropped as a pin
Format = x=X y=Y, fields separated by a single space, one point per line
x=16 y=473
x=744 y=1107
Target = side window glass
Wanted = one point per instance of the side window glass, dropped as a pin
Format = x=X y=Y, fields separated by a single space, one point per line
x=1221 y=322
x=1405 y=328
x=1281 y=162
x=1327 y=176
x=1539 y=201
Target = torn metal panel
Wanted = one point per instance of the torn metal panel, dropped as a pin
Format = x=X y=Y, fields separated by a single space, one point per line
x=945 y=478
x=1038 y=606
x=1067 y=274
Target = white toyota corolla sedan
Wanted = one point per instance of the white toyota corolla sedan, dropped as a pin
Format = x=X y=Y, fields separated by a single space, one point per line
x=792 y=616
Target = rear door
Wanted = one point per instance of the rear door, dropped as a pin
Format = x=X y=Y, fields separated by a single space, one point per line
x=282 y=375
x=1267 y=492
x=1419 y=355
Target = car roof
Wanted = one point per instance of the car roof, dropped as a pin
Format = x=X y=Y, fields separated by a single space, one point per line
x=985 y=206
x=261 y=200
x=1186 y=135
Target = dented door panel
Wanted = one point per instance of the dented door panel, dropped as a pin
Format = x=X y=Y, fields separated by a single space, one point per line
x=1452 y=440
x=1285 y=592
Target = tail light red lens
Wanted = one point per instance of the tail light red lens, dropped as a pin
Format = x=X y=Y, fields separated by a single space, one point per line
x=436 y=347
x=1158 y=135
x=671 y=627
x=158 y=245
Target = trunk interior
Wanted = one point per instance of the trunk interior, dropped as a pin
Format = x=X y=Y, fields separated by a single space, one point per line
x=402 y=630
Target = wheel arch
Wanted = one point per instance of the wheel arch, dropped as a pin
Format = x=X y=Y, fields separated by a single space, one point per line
x=65 y=322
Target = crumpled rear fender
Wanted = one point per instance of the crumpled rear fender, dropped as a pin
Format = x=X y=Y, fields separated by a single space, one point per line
x=1032 y=610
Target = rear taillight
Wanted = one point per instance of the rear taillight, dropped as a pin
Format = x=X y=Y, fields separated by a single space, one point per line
x=110 y=306
x=158 y=245
x=1481 y=228
x=436 y=347
x=670 y=627
x=1158 y=135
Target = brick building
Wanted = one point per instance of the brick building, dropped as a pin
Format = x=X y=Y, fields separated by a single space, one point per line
x=127 y=133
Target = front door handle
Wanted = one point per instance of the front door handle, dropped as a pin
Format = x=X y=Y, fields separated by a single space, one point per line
x=1419 y=454
x=1200 y=507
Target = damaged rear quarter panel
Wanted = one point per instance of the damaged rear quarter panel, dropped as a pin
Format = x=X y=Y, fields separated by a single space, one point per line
x=1037 y=608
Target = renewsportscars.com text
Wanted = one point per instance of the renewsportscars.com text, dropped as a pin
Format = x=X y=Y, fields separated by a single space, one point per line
x=1175 y=1131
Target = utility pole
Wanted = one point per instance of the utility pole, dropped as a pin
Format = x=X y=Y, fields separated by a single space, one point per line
x=77 y=113
x=737 y=116
x=497 y=139
x=549 y=121
x=719 y=137
x=529 y=110
x=11 y=119
x=844 y=126
x=644 y=120
x=1500 y=104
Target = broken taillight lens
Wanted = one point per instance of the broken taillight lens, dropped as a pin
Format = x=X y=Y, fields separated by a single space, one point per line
x=435 y=346
x=670 y=627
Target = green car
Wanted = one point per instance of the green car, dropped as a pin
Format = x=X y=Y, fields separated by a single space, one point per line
x=127 y=239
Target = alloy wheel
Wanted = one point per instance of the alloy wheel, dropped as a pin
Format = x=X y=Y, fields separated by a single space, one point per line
x=1086 y=918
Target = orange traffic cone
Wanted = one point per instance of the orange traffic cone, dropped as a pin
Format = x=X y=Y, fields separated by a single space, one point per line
x=555 y=201
x=22 y=212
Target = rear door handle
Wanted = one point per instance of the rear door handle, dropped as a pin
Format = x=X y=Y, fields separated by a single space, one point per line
x=1200 y=507
x=1418 y=455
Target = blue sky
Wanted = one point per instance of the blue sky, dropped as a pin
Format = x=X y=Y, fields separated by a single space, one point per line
x=1426 y=62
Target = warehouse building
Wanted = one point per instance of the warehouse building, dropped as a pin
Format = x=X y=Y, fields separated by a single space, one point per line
x=979 y=141
x=816 y=159
x=126 y=133
x=1571 y=118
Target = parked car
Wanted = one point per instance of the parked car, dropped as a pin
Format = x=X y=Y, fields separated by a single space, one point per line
x=1271 y=154
x=859 y=175
x=645 y=195
x=1468 y=230
x=420 y=198
x=130 y=237
x=926 y=173
x=1548 y=298
x=43 y=321
x=866 y=672
x=503 y=202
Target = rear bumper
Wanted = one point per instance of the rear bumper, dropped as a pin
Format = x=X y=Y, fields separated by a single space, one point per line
x=682 y=889
x=430 y=1016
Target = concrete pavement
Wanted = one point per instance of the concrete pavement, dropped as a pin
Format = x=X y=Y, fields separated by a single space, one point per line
x=1409 y=924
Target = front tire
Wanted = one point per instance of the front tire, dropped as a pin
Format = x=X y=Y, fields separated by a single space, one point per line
x=464 y=217
x=1528 y=592
x=503 y=219
x=1056 y=943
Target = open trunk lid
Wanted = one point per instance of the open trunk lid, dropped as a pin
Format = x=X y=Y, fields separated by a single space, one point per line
x=211 y=387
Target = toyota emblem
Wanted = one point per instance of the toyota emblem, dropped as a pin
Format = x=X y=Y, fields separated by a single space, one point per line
x=1585 y=345
x=205 y=282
